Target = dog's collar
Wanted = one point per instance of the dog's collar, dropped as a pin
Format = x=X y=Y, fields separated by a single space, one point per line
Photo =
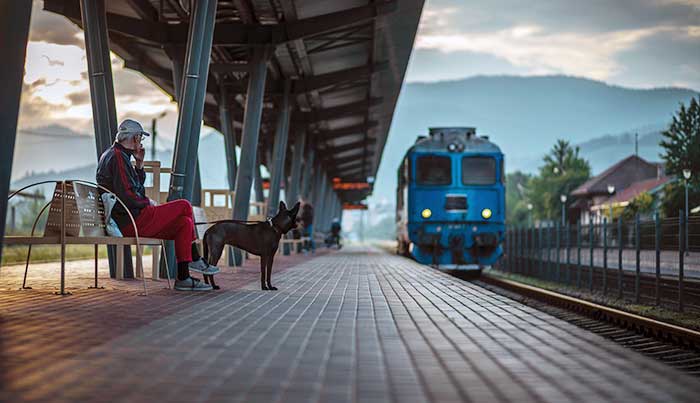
x=274 y=227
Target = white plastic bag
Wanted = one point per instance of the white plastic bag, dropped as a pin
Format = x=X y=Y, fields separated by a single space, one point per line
x=109 y=200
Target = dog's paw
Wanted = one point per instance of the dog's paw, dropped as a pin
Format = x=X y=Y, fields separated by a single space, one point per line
x=264 y=288
x=216 y=287
x=271 y=288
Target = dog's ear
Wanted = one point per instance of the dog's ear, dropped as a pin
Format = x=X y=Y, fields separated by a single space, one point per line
x=283 y=207
x=295 y=209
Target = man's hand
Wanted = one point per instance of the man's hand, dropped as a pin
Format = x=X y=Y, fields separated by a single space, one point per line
x=139 y=155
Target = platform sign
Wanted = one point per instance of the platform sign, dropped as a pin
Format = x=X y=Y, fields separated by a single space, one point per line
x=354 y=206
x=266 y=184
x=350 y=185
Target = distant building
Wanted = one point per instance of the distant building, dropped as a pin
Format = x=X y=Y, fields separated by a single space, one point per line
x=631 y=177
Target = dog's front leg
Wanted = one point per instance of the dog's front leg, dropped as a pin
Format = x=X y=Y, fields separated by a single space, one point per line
x=263 y=263
x=269 y=273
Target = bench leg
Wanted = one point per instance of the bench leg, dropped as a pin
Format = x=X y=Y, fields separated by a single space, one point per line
x=139 y=262
x=120 y=262
x=96 y=257
x=155 y=253
x=139 y=268
x=165 y=259
x=26 y=269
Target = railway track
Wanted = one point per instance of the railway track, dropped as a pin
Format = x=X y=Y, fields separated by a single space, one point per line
x=671 y=344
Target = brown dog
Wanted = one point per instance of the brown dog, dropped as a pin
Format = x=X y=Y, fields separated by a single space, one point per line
x=260 y=238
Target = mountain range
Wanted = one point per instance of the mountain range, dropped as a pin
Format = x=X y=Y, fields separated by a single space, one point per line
x=526 y=115
x=523 y=115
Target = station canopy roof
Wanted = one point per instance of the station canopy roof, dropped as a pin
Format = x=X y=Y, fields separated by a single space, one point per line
x=346 y=59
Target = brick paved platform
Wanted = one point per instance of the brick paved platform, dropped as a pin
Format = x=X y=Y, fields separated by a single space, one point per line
x=355 y=325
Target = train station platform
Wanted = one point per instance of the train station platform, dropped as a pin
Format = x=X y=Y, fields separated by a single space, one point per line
x=350 y=325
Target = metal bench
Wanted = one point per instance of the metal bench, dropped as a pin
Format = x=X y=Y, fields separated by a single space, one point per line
x=77 y=217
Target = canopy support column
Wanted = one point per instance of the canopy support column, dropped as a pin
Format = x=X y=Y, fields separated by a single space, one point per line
x=279 y=151
x=292 y=192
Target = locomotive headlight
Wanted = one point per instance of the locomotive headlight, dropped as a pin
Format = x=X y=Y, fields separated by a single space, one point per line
x=426 y=213
x=452 y=147
x=486 y=213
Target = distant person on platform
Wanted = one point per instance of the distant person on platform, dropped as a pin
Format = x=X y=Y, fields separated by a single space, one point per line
x=306 y=216
x=172 y=220
x=335 y=232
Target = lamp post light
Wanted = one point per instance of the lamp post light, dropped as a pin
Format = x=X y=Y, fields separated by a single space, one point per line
x=529 y=214
x=686 y=174
x=563 y=209
x=611 y=191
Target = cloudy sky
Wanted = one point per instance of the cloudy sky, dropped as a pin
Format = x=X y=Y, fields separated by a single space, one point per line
x=635 y=43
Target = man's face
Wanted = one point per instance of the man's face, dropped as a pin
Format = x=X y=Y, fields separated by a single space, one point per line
x=134 y=143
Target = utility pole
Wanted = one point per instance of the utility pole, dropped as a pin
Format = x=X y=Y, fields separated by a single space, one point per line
x=636 y=144
x=154 y=133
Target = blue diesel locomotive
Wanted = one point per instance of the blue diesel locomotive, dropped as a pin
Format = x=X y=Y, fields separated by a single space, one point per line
x=450 y=200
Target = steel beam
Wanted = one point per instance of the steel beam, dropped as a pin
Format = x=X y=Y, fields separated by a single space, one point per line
x=100 y=73
x=336 y=112
x=191 y=102
x=306 y=181
x=104 y=114
x=235 y=33
x=313 y=83
x=279 y=152
x=14 y=31
x=251 y=129
x=292 y=191
x=347 y=131
x=331 y=151
x=259 y=194
x=229 y=136
x=321 y=202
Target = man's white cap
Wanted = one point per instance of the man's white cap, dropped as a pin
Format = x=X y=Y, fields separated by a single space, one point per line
x=129 y=128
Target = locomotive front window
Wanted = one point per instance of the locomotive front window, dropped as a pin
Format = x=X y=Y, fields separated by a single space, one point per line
x=478 y=171
x=433 y=170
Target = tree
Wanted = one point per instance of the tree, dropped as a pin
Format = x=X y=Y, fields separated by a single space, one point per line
x=674 y=198
x=642 y=204
x=681 y=144
x=516 y=199
x=563 y=171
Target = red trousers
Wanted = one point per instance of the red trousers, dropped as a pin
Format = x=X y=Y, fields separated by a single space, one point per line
x=172 y=220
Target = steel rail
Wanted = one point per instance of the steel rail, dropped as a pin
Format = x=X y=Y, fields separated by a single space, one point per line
x=641 y=324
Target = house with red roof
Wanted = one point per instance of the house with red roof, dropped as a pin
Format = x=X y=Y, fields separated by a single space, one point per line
x=617 y=186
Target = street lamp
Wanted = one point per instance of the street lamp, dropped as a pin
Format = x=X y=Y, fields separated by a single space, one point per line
x=529 y=214
x=555 y=170
x=563 y=209
x=686 y=174
x=611 y=191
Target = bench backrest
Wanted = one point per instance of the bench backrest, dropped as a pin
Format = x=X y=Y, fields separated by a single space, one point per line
x=84 y=211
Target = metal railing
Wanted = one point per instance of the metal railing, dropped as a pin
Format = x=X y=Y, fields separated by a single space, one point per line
x=643 y=261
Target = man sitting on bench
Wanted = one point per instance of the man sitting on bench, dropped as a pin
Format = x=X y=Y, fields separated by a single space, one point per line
x=172 y=220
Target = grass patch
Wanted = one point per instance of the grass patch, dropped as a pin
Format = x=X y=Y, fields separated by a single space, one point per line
x=690 y=320
x=17 y=254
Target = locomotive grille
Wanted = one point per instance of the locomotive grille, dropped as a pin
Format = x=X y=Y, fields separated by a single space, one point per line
x=453 y=202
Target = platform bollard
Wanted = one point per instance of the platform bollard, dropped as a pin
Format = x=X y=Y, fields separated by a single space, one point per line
x=637 y=256
x=567 y=240
x=605 y=255
x=657 y=245
x=558 y=248
x=540 y=257
x=681 y=254
x=590 y=256
x=620 y=242
x=578 y=252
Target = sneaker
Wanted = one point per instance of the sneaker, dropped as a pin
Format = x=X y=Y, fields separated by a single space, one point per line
x=192 y=284
x=200 y=266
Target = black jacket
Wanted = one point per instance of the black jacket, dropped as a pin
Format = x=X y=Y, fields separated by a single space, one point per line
x=115 y=172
